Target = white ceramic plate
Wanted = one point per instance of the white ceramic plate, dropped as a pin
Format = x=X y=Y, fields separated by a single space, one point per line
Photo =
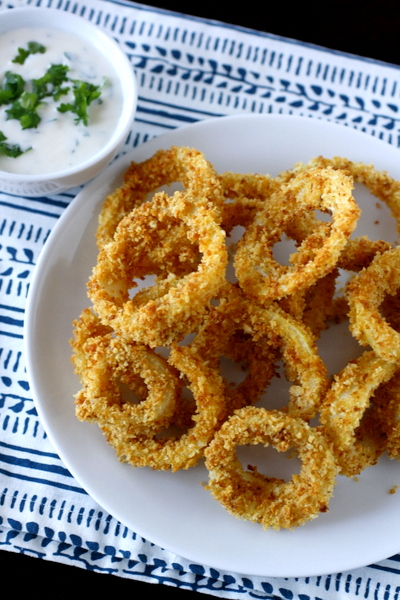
x=174 y=510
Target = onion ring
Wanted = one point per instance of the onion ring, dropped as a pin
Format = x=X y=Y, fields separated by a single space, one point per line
x=379 y=183
x=223 y=335
x=181 y=452
x=259 y=275
x=365 y=293
x=178 y=304
x=271 y=502
x=165 y=167
x=304 y=367
x=271 y=326
x=107 y=364
x=344 y=406
x=387 y=401
x=359 y=252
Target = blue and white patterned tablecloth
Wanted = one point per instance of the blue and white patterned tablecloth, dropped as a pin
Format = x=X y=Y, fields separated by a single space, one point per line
x=188 y=69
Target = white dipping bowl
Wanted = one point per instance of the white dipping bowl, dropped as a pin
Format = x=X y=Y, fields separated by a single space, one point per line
x=40 y=184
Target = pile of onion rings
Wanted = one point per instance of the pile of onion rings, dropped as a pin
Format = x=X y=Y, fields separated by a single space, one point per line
x=175 y=296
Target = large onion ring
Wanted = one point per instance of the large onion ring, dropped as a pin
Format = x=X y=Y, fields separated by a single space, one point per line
x=259 y=275
x=225 y=334
x=274 y=327
x=178 y=303
x=271 y=502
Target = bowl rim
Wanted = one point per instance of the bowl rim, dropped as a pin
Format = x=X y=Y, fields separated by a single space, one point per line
x=53 y=18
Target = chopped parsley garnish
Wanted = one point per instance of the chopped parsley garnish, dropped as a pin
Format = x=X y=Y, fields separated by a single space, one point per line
x=84 y=94
x=13 y=87
x=11 y=150
x=50 y=83
x=25 y=110
x=25 y=98
x=23 y=53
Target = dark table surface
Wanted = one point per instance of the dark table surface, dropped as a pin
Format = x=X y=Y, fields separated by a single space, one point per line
x=363 y=27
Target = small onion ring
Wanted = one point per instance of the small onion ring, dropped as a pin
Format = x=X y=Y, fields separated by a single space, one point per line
x=107 y=364
x=269 y=501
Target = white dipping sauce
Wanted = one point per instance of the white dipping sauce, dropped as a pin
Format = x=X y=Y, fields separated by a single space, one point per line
x=58 y=143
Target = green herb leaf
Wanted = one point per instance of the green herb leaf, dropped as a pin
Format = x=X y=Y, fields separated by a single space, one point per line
x=84 y=94
x=13 y=87
x=25 y=110
x=36 y=48
x=50 y=83
x=21 y=56
x=11 y=150
x=23 y=53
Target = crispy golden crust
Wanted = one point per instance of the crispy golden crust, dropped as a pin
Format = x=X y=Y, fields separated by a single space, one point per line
x=272 y=502
x=245 y=194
